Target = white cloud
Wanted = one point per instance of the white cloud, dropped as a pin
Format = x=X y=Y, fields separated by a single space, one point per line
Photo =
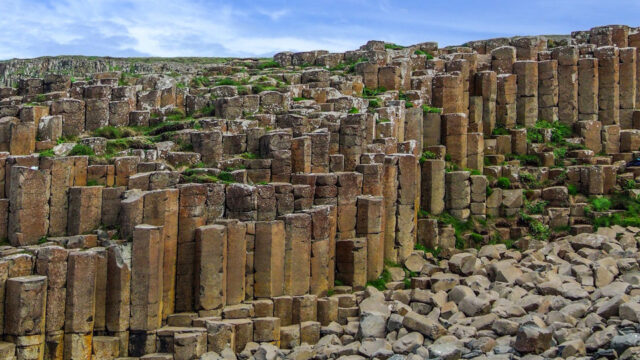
x=274 y=15
x=155 y=28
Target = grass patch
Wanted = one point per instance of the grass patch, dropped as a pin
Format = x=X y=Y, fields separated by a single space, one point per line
x=249 y=156
x=393 y=46
x=367 y=92
x=381 y=282
x=573 y=190
x=503 y=183
x=600 y=204
x=81 y=150
x=354 y=110
x=47 y=153
x=426 y=155
x=536 y=207
x=422 y=52
x=459 y=226
x=269 y=65
x=426 y=109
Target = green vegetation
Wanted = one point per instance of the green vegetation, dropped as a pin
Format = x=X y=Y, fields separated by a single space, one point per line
x=537 y=229
x=112 y=132
x=248 y=155
x=559 y=132
x=374 y=104
x=257 y=88
x=426 y=109
x=422 y=52
x=367 y=92
x=354 y=110
x=227 y=81
x=573 y=190
x=47 y=153
x=381 y=282
x=427 y=155
x=81 y=149
x=600 y=204
x=499 y=130
x=196 y=176
x=393 y=47
x=530 y=181
x=476 y=238
x=423 y=214
x=297 y=98
x=627 y=212
x=459 y=226
x=528 y=159
x=536 y=207
x=92 y=182
x=268 y=65
x=200 y=81
x=629 y=184
x=503 y=183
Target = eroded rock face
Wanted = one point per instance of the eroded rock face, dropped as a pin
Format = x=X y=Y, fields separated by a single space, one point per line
x=386 y=202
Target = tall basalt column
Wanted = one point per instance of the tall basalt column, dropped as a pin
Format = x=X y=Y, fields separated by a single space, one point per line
x=349 y=187
x=85 y=209
x=431 y=125
x=506 y=113
x=527 y=92
x=454 y=132
x=81 y=304
x=25 y=315
x=588 y=89
x=322 y=258
x=448 y=92
x=609 y=85
x=268 y=264
x=237 y=260
x=351 y=262
x=118 y=291
x=413 y=125
x=211 y=259
x=502 y=59
x=28 y=205
x=161 y=209
x=432 y=186
x=408 y=202
x=370 y=226
x=628 y=65
x=51 y=262
x=297 y=253
x=390 y=195
x=548 y=90
x=487 y=87
x=458 y=193
x=567 y=57
x=146 y=278
x=191 y=215
x=634 y=42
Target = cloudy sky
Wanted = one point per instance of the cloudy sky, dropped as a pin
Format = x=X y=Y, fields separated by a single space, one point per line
x=243 y=28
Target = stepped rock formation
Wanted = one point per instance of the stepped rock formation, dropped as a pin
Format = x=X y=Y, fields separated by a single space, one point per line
x=476 y=202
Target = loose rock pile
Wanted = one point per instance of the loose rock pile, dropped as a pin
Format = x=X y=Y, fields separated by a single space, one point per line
x=398 y=202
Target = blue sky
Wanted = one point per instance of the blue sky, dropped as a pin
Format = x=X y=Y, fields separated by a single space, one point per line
x=244 y=28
